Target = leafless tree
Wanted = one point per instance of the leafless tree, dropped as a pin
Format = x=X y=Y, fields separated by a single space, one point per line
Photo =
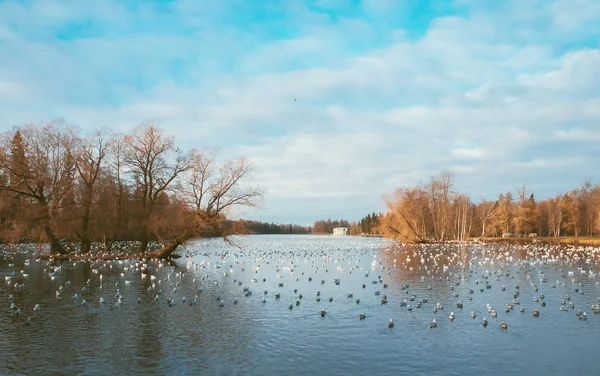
x=210 y=192
x=37 y=163
x=154 y=163
x=89 y=154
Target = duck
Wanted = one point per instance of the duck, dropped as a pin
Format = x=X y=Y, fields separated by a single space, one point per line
x=536 y=312
x=433 y=324
x=323 y=312
x=484 y=322
x=451 y=317
x=473 y=315
x=362 y=316
x=391 y=323
x=503 y=325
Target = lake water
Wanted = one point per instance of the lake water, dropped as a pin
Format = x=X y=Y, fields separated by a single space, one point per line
x=143 y=334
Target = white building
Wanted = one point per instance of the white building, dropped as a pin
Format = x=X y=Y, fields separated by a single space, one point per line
x=340 y=231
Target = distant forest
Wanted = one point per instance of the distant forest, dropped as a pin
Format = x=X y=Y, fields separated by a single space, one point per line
x=257 y=227
x=367 y=225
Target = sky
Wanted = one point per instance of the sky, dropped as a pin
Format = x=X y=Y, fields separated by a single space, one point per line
x=335 y=102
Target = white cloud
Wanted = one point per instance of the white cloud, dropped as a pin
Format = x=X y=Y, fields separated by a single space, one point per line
x=330 y=126
x=577 y=134
x=475 y=153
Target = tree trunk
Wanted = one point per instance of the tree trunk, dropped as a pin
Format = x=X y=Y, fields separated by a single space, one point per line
x=166 y=251
x=85 y=222
x=107 y=244
x=86 y=246
x=55 y=246
x=143 y=244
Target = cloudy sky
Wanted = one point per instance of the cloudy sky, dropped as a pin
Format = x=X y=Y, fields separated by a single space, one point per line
x=335 y=101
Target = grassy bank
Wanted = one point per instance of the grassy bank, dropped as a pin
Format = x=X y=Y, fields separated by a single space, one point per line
x=567 y=240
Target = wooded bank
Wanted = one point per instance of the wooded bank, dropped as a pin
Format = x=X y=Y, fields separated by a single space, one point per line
x=437 y=212
x=59 y=186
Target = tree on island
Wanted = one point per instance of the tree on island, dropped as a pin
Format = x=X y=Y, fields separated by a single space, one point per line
x=60 y=187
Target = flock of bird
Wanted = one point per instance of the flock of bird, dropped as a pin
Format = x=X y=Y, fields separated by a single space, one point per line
x=361 y=276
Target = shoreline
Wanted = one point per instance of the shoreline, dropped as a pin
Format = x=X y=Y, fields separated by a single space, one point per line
x=564 y=240
x=589 y=241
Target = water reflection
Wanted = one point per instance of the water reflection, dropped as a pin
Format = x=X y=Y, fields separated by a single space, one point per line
x=252 y=337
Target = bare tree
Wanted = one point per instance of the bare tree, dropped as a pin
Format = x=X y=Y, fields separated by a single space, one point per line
x=487 y=211
x=154 y=163
x=116 y=167
x=210 y=192
x=439 y=193
x=37 y=163
x=406 y=219
x=88 y=154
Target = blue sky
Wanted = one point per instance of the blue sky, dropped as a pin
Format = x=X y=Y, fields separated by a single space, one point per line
x=335 y=101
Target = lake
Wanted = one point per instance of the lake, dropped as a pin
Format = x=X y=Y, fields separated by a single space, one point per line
x=145 y=326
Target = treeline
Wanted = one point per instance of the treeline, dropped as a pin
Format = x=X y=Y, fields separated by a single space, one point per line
x=258 y=227
x=59 y=186
x=367 y=225
x=326 y=227
x=437 y=212
x=370 y=224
